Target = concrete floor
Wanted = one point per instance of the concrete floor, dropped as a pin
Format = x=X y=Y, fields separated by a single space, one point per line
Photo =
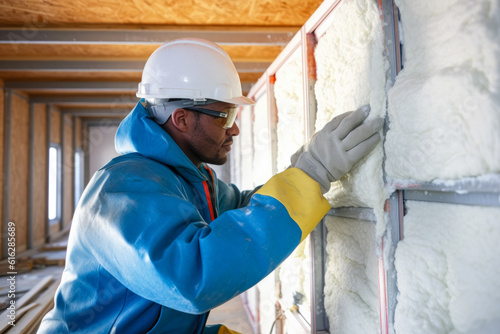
x=232 y=315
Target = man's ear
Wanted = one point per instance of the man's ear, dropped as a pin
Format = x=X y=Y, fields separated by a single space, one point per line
x=180 y=119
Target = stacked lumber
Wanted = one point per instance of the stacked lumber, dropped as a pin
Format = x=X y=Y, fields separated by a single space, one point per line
x=30 y=308
x=53 y=254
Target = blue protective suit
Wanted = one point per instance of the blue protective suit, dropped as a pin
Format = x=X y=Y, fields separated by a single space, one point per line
x=156 y=243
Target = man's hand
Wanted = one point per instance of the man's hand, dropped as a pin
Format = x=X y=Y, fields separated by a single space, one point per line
x=341 y=143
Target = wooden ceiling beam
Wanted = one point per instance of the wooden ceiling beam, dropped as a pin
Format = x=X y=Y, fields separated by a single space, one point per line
x=82 y=87
x=73 y=86
x=96 y=113
x=103 y=65
x=113 y=101
x=269 y=37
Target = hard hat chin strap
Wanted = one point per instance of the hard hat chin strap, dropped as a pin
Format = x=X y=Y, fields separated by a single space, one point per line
x=161 y=109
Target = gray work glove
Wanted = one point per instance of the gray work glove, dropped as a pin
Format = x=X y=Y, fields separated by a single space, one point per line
x=341 y=143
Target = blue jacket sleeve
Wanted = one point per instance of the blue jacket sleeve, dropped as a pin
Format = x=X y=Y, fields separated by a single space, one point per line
x=145 y=232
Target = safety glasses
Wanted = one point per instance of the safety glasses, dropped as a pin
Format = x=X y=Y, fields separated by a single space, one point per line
x=224 y=118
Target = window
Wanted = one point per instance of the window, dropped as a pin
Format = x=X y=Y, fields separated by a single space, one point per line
x=54 y=183
x=79 y=175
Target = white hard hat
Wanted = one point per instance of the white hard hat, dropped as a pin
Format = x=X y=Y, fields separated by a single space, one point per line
x=191 y=68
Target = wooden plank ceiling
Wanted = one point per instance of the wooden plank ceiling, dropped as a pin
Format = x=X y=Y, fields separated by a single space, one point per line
x=86 y=56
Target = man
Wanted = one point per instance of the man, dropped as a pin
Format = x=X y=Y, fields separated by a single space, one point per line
x=157 y=240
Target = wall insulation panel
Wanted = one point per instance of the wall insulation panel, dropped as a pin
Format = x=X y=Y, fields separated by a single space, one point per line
x=262 y=166
x=448 y=270
x=246 y=134
x=267 y=302
x=295 y=271
x=40 y=177
x=68 y=172
x=261 y=172
x=19 y=158
x=351 y=72
x=444 y=107
x=351 y=295
x=235 y=156
x=289 y=94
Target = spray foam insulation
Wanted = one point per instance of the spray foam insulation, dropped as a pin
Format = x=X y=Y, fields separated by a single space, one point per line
x=246 y=149
x=262 y=166
x=289 y=96
x=444 y=107
x=444 y=113
x=448 y=269
x=351 y=72
x=294 y=272
x=351 y=292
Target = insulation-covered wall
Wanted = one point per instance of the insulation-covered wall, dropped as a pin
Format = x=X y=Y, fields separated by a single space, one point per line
x=235 y=156
x=40 y=174
x=262 y=166
x=352 y=290
x=18 y=178
x=444 y=112
x=289 y=94
x=444 y=107
x=351 y=72
x=246 y=148
x=295 y=271
x=448 y=270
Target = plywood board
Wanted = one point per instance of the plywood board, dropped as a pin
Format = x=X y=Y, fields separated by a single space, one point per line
x=40 y=170
x=85 y=137
x=54 y=229
x=78 y=132
x=68 y=170
x=55 y=126
x=18 y=177
x=2 y=113
x=185 y=12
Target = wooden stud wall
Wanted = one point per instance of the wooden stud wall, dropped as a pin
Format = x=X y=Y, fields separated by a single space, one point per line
x=55 y=125
x=67 y=171
x=78 y=133
x=1 y=158
x=26 y=196
x=40 y=175
x=18 y=176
